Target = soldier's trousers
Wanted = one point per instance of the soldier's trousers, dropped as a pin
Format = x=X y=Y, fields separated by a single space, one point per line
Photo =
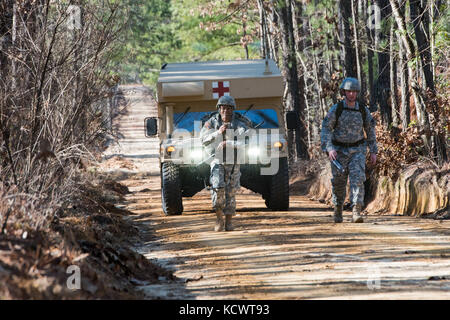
x=224 y=184
x=354 y=162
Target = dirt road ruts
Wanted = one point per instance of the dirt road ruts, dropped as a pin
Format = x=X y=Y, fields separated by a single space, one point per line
x=297 y=254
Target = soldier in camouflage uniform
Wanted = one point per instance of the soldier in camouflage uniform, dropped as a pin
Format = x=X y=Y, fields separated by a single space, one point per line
x=217 y=137
x=343 y=140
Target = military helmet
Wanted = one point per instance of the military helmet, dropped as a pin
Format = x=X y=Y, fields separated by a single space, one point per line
x=226 y=101
x=350 y=84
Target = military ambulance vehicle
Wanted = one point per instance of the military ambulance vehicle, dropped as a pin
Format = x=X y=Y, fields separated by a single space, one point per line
x=187 y=94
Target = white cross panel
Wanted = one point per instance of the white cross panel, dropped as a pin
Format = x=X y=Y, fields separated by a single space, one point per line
x=215 y=85
x=216 y=95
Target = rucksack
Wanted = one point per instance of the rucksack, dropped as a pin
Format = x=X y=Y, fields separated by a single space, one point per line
x=340 y=108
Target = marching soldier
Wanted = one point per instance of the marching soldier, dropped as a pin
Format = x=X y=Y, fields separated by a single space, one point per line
x=342 y=138
x=217 y=137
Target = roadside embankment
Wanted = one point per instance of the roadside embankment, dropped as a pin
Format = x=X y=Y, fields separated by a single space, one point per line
x=419 y=189
x=85 y=253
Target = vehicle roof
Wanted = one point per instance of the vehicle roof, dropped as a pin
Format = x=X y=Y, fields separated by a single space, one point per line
x=216 y=70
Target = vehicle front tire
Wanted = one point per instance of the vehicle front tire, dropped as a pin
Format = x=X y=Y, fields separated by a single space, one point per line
x=171 y=198
x=278 y=196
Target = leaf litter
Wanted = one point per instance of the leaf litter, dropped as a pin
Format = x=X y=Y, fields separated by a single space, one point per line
x=91 y=234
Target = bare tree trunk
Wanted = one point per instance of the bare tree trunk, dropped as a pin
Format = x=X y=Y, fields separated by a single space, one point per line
x=322 y=105
x=290 y=66
x=273 y=32
x=404 y=85
x=432 y=36
x=420 y=20
x=410 y=55
x=78 y=90
x=422 y=114
x=434 y=13
x=393 y=80
x=264 y=48
x=331 y=61
x=382 y=86
x=272 y=43
x=297 y=20
x=6 y=22
x=420 y=14
x=13 y=42
x=309 y=120
x=244 y=28
x=297 y=23
x=350 y=64
x=358 y=53
x=434 y=16
x=370 y=55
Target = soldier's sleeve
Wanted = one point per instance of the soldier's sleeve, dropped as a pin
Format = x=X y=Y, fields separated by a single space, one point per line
x=370 y=132
x=326 y=133
x=208 y=134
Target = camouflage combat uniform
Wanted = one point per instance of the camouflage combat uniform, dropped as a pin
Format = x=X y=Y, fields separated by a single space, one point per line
x=353 y=159
x=225 y=172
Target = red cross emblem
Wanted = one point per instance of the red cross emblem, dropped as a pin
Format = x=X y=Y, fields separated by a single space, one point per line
x=220 y=88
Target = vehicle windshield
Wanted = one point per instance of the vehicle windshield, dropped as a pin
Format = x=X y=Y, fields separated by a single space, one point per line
x=193 y=121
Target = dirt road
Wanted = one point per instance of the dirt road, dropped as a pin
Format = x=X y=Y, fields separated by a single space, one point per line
x=298 y=254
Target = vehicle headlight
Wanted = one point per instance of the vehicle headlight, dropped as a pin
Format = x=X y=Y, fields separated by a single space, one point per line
x=253 y=151
x=170 y=149
x=196 y=154
x=278 y=145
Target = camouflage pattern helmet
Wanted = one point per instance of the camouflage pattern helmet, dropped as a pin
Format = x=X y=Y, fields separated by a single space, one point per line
x=226 y=101
x=350 y=84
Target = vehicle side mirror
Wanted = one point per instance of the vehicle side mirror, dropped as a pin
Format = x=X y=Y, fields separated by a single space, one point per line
x=292 y=120
x=151 y=127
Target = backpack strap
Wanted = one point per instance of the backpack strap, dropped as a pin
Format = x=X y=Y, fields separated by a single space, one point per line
x=362 y=109
x=340 y=107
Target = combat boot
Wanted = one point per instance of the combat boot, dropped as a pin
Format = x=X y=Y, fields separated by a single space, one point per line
x=338 y=213
x=219 y=222
x=357 y=218
x=228 y=224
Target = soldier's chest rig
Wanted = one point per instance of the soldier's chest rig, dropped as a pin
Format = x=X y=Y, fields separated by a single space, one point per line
x=340 y=108
x=231 y=134
x=229 y=154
